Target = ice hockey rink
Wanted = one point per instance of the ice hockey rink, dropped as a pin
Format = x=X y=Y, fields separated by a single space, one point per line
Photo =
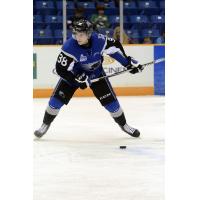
x=80 y=159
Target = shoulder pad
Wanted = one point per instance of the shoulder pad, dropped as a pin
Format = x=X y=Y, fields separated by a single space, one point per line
x=69 y=49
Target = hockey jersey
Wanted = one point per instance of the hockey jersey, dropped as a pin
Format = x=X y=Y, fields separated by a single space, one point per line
x=75 y=59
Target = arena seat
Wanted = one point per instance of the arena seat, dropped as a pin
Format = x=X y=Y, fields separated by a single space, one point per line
x=110 y=8
x=133 y=33
x=162 y=5
x=45 y=7
x=58 y=34
x=43 y=36
x=150 y=33
x=70 y=7
x=130 y=8
x=148 y=7
x=54 y=22
x=139 y=15
x=38 y=22
x=139 y=21
x=158 y=21
x=115 y=20
x=88 y=6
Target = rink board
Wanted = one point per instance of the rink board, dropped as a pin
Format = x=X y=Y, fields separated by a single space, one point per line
x=139 y=84
x=120 y=91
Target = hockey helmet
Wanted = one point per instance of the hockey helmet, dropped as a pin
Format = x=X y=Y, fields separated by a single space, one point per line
x=82 y=25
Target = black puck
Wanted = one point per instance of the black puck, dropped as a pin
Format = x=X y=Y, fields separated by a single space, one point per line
x=122 y=147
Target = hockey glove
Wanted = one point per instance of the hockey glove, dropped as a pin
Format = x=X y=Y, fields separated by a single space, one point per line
x=134 y=65
x=83 y=80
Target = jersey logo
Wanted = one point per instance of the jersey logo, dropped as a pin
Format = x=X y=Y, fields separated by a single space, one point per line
x=83 y=58
x=100 y=36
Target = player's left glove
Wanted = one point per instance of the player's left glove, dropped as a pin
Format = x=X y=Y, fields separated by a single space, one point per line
x=83 y=80
x=134 y=65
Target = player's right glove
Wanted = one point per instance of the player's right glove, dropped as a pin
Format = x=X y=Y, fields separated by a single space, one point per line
x=83 y=80
x=134 y=65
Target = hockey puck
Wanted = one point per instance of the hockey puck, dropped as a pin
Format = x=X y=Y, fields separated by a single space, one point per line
x=122 y=147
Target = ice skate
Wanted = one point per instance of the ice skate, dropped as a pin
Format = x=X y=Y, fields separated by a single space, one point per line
x=41 y=131
x=130 y=130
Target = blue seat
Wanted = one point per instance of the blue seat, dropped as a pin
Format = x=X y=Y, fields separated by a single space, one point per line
x=139 y=21
x=110 y=4
x=162 y=12
x=88 y=6
x=70 y=7
x=133 y=33
x=158 y=21
x=58 y=38
x=43 y=36
x=147 y=4
x=37 y=19
x=115 y=20
x=150 y=33
x=148 y=7
x=130 y=8
x=38 y=22
x=58 y=34
x=35 y=33
x=110 y=8
x=69 y=33
x=42 y=33
x=59 y=5
x=162 y=5
x=45 y=7
x=54 y=22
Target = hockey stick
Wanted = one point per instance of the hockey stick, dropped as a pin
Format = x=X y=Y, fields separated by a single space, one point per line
x=121 y=72
x=128 y=70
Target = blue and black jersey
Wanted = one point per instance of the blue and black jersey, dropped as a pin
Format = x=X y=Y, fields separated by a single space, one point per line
x=75 y=59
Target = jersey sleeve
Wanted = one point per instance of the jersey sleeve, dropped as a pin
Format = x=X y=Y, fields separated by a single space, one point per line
x=65 y=66
x=114 y=49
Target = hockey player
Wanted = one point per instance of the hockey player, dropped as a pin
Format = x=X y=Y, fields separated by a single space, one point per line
x=80 y=61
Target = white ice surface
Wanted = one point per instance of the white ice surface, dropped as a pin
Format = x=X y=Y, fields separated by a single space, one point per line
x=79 y=158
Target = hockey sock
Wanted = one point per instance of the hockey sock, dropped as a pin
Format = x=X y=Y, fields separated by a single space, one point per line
x=121 y=120
x=52 y=110
x=48 y=118
x=116 y=112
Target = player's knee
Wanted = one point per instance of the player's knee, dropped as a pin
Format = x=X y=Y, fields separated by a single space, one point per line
x=114 y=109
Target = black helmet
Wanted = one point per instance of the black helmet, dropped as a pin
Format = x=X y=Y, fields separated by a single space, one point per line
x=82 y=25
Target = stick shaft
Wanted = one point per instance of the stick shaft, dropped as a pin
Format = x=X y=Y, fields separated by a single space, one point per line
x=121 y=72
x=128 y=70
